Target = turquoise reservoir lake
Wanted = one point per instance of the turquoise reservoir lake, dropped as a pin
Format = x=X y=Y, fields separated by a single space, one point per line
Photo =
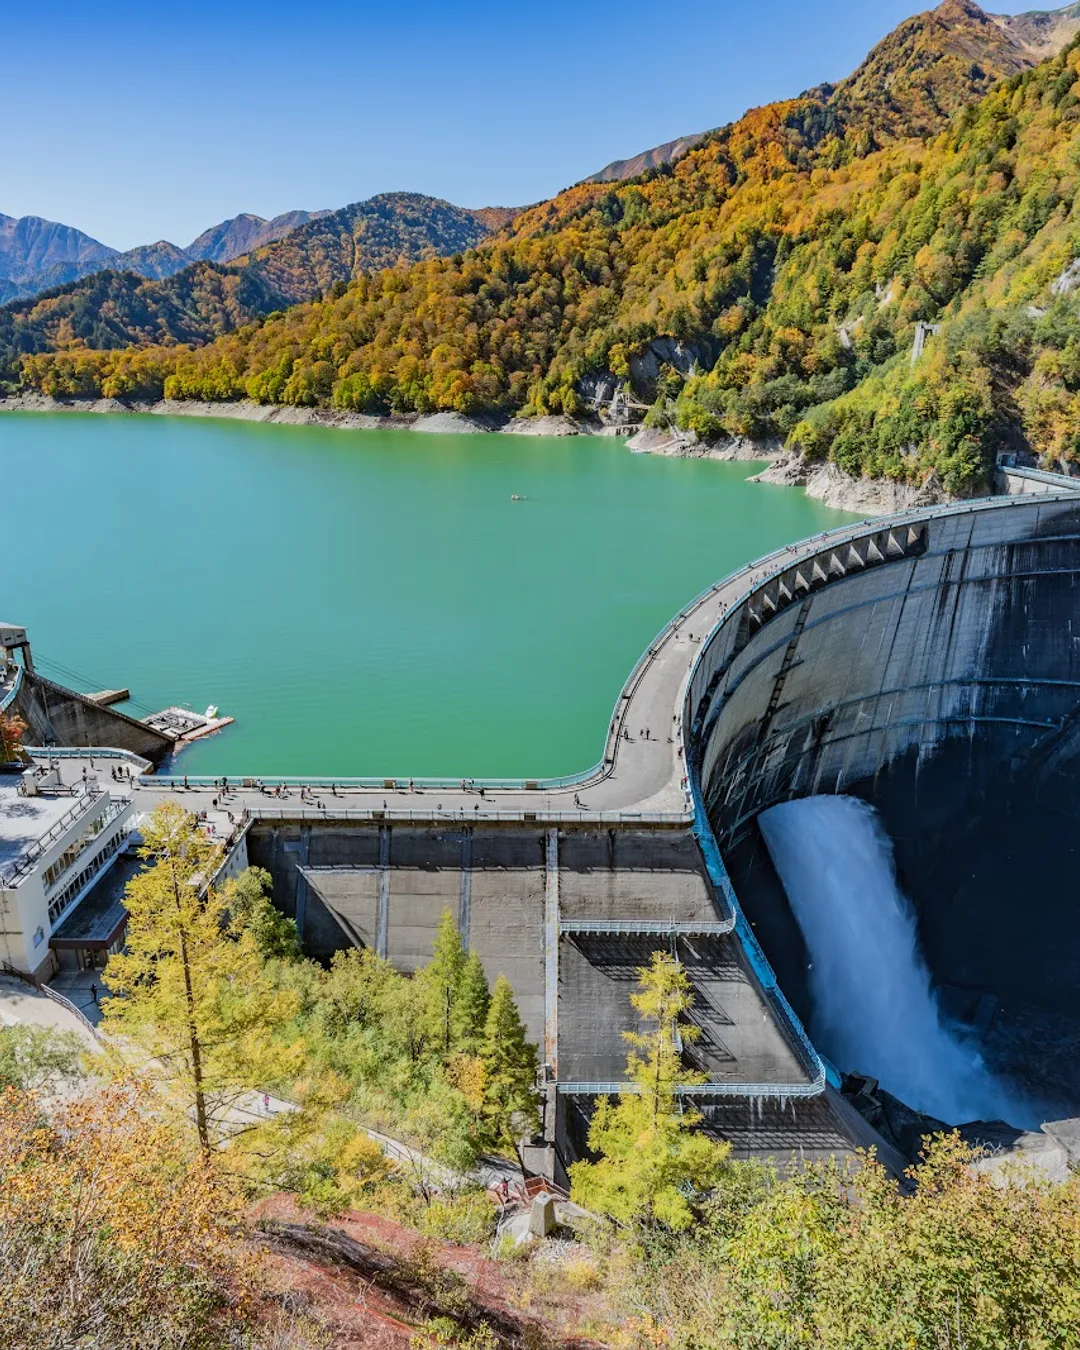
x=365 y=602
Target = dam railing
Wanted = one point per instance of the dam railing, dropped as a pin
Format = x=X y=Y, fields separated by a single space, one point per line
x=19 y=869
x=9 y=695
x=13 y=972
x=463 y=816
x=774 y=1091
x=89 y=752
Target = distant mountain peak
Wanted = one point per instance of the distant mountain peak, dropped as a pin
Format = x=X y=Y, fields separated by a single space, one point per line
x=928 y=66
x=952 y=11
x=621 y=169
x=244 y=233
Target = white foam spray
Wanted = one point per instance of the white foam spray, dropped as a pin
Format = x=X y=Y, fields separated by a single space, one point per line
x=874 y=1009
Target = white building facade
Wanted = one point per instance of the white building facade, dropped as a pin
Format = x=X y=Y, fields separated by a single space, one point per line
x=56 y=840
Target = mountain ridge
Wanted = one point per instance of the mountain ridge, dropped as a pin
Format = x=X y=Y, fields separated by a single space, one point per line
x=769 y=286
x=241 y=234
x=38 y=255
x=113 y=307
x=1027 y=39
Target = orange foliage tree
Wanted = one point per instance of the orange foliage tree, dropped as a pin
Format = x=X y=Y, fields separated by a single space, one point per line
x=12 y=730
x=113 y=1230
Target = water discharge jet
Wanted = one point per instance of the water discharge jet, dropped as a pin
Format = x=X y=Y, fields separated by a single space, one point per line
x=874 y=1009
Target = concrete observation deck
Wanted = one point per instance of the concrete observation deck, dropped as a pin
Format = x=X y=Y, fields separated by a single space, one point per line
x=567 y=886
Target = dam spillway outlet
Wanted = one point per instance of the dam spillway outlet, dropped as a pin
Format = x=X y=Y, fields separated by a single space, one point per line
x=874 y=1010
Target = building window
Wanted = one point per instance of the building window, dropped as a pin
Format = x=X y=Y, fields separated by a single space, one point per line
x=56 y=870
x=63 y=901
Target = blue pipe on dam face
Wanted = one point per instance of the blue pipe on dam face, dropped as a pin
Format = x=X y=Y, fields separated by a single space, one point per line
x=942 y=686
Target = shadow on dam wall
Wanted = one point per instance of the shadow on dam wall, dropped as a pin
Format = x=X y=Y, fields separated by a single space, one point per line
x=945 y=691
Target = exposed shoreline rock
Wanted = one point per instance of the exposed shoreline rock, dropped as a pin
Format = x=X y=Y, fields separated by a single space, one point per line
x=445 y=423
x=867 y=496
x=550 y=426
x=685 y=445
x=450 y=424
x=245 y=411
x=824 y=482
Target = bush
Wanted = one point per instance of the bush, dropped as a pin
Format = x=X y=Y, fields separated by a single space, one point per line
x=463 y=1219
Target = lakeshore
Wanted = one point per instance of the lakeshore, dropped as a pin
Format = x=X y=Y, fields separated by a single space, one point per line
x=372 y=604
x=822 y=482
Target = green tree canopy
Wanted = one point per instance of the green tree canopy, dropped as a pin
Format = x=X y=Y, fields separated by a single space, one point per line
x=191 y=990
x=510 y=1069
x=654 y=1169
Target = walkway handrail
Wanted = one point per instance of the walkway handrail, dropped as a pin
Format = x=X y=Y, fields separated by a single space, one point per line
x=16 y=872
x=775 y=1091
x=461 y=816
x=229 y=847
x=7 y=699
x=7 y=969
x=1041 y=476
x=88 y=752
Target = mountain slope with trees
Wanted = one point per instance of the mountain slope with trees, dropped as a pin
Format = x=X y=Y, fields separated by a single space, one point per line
x=112 y=309
x=925 y=69
x=39 y=255
x=767 y=285
x=367 y=236
x=115 y=308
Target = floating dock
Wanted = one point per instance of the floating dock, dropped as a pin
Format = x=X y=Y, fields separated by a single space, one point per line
x=183 y=725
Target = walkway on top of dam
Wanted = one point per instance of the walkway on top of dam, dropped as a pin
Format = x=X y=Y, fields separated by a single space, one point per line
x=642 y=777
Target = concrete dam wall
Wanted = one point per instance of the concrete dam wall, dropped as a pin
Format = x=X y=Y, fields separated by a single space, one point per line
x=928 y=664
x=569 y=914
x=58 y=716
x=931 y=668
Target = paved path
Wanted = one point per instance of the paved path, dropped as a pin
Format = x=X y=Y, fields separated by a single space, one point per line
x=21 y=1002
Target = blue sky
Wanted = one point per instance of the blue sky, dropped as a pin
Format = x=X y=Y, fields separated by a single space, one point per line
x=144 y=121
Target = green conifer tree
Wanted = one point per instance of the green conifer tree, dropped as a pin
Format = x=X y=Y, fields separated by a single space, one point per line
x=250 y=906
x=653 y=1166
x=471 y=1006
x=511 y=1101
x=441 y=980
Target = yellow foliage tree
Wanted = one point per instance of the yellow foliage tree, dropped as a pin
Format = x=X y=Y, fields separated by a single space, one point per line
x=112 y=1231
x=654 y=1168
x=191 y=993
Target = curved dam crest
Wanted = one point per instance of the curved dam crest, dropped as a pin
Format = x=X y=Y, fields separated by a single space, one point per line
x=926 y=663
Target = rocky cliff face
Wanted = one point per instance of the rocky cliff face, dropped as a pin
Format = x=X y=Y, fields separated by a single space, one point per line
x=1042 y=33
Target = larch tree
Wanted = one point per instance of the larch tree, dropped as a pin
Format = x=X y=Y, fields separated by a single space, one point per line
x=654 y=1167
x=471 y=1005
x=191 y=989
x=441 y=980
x=511 y=1101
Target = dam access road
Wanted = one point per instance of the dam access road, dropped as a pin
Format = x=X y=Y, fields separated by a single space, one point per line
x=840 y=654
x=642 y=775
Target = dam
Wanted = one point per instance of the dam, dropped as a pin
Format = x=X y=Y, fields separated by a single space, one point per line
x=927 y=663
